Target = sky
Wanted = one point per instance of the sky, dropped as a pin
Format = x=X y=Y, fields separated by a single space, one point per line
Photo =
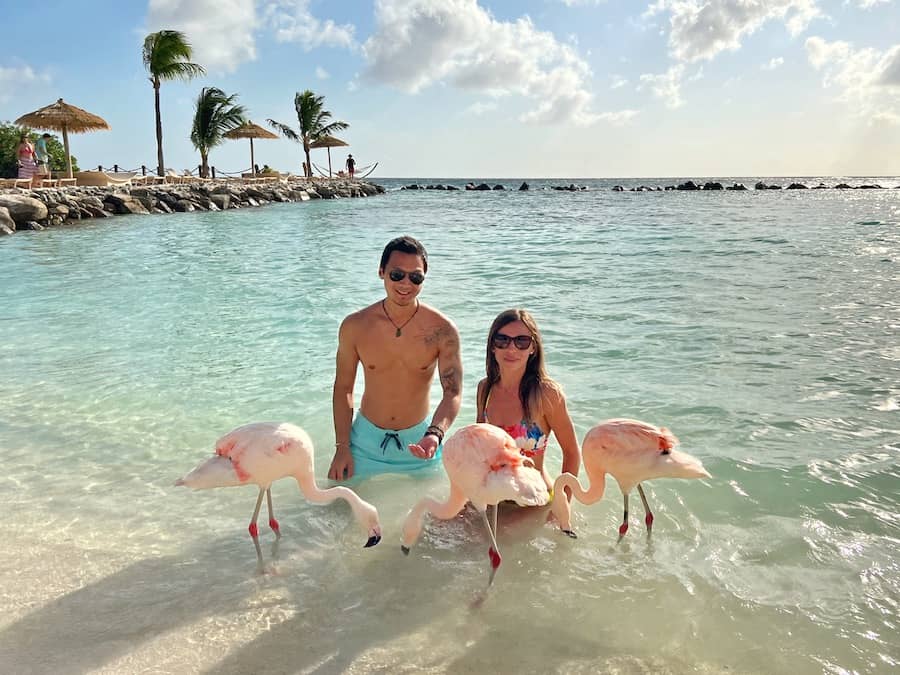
x=488 y=88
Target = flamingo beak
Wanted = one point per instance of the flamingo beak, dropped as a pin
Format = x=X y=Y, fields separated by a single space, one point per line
x=570 y=533
x=372 y=541
x=405 y=549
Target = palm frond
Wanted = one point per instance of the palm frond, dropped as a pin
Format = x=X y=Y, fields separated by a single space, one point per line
x=216 y=113
x=284 y=130
x=167 y=55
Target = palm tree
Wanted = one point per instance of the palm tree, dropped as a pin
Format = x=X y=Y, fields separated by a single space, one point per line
x=216 y=113
x=166 y=57
x=313 y=123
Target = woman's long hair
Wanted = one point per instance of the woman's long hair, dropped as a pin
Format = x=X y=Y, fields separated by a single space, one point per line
x=535 y=377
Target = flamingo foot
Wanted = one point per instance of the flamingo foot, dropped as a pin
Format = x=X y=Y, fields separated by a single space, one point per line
x=623 y=528
x=374 y=539
x=570 y=533
x=275 y=527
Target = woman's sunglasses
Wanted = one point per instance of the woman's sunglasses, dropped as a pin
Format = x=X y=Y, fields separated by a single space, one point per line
x=415 y=277
x=501 y=341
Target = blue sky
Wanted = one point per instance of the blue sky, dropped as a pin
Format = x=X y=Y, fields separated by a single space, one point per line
x=459 y=88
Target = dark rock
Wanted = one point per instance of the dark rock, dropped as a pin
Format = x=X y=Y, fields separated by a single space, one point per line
x=618 y=188
x=842 y=186
x=222 y=201
x=524 y=186
x=796 y=186
x=689 y=185
x=123 y=203
x=452 y=187
x=760 y=186
x=7 y=224
x=499 y=187
x=712 y=186
x=483 y=186
x=737 y=186
x=870 y=187
x=183 y=206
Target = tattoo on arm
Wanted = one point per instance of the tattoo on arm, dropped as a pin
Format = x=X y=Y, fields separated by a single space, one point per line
x=450 y=381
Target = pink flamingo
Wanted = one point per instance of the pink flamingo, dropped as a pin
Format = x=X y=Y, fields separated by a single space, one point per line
x=631 y=451
x=261 y=453
x=484 y=466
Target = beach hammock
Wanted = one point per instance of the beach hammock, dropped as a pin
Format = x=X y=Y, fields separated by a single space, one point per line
x=362 y=172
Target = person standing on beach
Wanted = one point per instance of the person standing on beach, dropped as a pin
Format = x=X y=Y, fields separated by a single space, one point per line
x=399 y=341
x=519 y=396
x=25 y=159
x=351 y=166
x=43 y=155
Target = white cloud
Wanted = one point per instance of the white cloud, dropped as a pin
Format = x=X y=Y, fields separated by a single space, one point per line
x=773 y=63
x=221 y=32
x=418 y=43
x=618 y=81
x=293 y=22
x=868 y=4
x=478 y=108
x=868 y=79
x=666 y=86
x=618 y=118
x=13 y=79
x=321 y=73
x=700 y=29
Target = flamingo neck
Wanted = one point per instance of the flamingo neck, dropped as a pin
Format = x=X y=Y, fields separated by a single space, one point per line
x=593 y=494
x=412 y=527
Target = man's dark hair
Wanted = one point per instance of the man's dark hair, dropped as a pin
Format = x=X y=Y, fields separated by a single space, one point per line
x=404 y=244
x=46 y=136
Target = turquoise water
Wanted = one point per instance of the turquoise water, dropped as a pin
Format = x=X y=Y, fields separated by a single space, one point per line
x=761 y=327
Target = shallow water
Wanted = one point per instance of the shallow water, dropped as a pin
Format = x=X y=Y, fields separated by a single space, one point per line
x=760 y=326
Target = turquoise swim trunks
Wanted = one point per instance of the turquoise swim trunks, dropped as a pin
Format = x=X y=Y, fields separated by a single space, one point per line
x=376 y=450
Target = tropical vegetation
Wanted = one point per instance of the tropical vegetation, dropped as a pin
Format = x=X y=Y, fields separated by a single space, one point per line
x=313 y=122
x=9 y=141
x=167 y=55
x=215 y=114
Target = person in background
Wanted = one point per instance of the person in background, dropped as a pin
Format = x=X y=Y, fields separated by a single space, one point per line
x=519 y=396
x=351 y=166
x=43 y=155
x=399 y=341
x=26 y=160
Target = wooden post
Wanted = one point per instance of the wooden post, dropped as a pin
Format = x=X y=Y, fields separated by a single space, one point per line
x=252 y=160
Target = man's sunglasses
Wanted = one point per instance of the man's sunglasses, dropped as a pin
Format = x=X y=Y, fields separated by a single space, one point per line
x=415 y=277
x=501 y=341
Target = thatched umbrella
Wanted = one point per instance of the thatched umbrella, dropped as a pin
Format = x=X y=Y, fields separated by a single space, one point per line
x=251 y=131
x=328 y=142
x=61 y=116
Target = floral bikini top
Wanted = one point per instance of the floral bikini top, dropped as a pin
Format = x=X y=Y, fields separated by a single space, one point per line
x=528 y=435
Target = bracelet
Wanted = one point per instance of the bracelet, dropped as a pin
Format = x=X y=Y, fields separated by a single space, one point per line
x=339 y=444
x=435 y=430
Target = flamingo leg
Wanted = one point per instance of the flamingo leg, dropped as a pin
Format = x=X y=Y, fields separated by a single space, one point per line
x=649 y=517
x=494 y=550
x=272 y=522
x=623 y=528
x=254 y=531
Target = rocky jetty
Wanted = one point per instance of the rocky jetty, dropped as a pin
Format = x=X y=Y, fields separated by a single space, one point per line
x=36 y=209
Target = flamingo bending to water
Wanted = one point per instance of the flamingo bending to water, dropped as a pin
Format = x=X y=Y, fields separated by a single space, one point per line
x=484 y=466
x=631 y=451
x=261 y=453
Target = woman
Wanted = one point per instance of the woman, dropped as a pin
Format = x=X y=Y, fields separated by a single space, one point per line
x=26 y=158
x=518 y=395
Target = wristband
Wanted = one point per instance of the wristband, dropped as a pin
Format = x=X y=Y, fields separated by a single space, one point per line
x=435 y=430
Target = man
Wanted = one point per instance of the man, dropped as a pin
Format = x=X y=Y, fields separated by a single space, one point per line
x=351 y=165
x=399 y=341
x=43 y=155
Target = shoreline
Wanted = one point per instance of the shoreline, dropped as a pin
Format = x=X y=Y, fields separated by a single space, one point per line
x=39 y=208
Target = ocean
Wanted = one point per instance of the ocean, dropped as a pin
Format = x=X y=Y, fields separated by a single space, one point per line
x=761 y=327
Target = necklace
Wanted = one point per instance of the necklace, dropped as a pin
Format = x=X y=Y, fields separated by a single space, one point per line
x=402 y=325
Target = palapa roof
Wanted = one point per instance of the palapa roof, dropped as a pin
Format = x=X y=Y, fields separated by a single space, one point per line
x=327 y=142
x=61 y=115
x=249 y=130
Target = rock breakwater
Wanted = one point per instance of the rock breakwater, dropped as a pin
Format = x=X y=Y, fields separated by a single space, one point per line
x=46 y=207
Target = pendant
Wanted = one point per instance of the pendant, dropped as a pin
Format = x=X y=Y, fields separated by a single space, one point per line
x=398 y=332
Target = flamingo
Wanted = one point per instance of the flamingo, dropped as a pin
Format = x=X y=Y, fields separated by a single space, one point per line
x=484 y=466
x=261 y=453
x=631 y=451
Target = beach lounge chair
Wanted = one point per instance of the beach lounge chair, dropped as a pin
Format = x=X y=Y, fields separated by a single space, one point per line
x=102 y=178
x=15 y=183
